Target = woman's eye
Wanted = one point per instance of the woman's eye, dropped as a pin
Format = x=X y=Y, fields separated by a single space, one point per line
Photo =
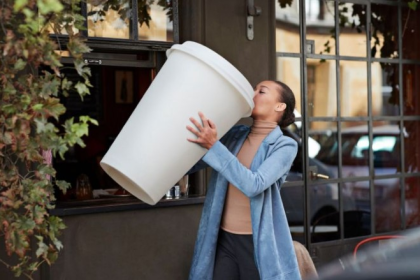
x=262 y=92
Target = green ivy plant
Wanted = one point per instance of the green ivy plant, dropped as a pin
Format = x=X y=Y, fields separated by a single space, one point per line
x=31 y=85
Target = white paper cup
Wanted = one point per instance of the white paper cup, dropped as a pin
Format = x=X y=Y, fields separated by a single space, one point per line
x=151 y=153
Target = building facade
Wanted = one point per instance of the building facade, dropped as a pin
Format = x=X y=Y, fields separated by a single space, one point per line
x=354 y=67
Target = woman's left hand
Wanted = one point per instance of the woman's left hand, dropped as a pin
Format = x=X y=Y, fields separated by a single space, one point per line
x=206 y=133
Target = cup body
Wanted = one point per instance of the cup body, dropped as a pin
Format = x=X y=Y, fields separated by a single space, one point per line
x=151 y=152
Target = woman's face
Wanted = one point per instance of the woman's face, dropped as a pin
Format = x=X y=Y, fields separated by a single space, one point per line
x=267 y=104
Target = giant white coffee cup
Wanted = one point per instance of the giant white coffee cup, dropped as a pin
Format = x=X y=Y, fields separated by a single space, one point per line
x=151 y=153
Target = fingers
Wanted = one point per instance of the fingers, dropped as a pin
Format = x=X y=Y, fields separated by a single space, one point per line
x=194 y=131
x=212 y=124
x=204 y=120
x=205 y=131
x=197 y=124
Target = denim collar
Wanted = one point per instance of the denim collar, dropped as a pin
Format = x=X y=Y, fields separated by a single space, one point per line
x=270 y=139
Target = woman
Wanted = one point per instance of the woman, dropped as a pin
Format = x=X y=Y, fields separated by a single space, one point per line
x=243 y=232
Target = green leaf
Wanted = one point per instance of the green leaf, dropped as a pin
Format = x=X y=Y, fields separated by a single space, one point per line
x=43 y=126
x=63 y=185
x=42 y=249
x=87 y=119
x=8 y=108
x=25 y=100
x=82 y=89
x=9 y=89
x=54 y=108
x=50 y=87
x=66 y=84
x=46 y=169
x=26 y=224
x=413 y=5
x=19 y=4
x=47 y=6
x=20 y=64
x=38 y=107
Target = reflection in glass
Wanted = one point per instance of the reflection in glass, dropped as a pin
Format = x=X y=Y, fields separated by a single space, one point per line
x=386 y=147
x=355 y=149
x=352 y=29
x=412 y=147
x=294 y=131
x=109 y=18
x=288 y=72
x=385 y=89
x=292 y=197
x=323 y=149
x=353 y=88
x=321 y=88
x=324 y=212
x=287 y=26
x=357 y=217
x=155 y=20
x=410 y=33
x=387 y=205
x=411 y=88
x=320 y=28
x=412 y=202
x=384 y=35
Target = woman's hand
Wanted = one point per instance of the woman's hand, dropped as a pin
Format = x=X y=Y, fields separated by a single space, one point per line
x=206 y=133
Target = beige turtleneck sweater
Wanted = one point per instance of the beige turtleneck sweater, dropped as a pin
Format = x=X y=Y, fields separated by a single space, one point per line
x=237 y=212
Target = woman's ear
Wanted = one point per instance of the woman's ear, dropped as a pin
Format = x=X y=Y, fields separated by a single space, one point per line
x=280 y=107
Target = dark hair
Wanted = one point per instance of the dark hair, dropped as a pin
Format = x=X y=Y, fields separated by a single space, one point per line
x=286 y=96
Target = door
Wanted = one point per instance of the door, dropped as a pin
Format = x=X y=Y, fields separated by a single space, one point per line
x=351 y=65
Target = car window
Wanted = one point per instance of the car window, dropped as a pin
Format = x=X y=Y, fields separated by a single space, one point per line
x=355 y=148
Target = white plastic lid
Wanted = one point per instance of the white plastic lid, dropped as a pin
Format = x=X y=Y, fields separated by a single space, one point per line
x=222 y=66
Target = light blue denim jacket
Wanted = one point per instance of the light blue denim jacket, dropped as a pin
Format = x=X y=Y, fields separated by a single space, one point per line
x=274 y=252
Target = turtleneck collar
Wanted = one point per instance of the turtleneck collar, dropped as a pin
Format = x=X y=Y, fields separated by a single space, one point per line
x=262 y=127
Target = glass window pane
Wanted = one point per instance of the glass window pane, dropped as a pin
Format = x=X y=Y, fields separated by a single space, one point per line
x=288 y=72
x=387 y=196
x=385 y=89
x=323 y=150
x=410 y=33
x=292 y=197
x=352 y=29
x=357 y=217
x=412 y=147
x=353 y=87
x=324 y=212
x=411 y=89
x=155 y=20
x=321 y=88
x=384 y=35
x=287 y=26
x=412 y=202
x=320 y=25
x=386 y=146
x=109 y=19
x=355 y=149
x=294 y=131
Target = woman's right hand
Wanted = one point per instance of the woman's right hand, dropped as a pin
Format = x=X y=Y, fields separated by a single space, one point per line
x=206 y=132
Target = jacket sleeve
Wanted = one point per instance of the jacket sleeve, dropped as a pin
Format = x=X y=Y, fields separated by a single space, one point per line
x=197 y=167
x=201 y=164
x=252 y=183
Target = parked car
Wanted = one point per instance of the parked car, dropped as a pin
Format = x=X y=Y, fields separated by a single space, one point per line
x=323 y=197
x=355 y=163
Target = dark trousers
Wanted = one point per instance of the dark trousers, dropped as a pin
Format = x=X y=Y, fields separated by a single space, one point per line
x=235 y=257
